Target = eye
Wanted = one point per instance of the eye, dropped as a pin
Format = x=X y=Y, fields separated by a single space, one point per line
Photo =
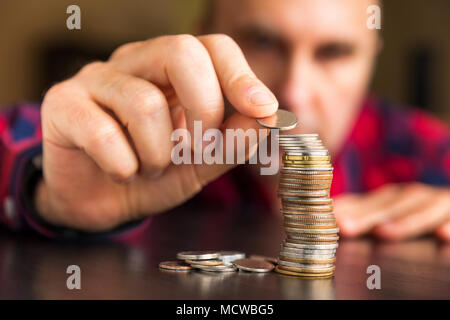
x=332 y=51
x=260 y=40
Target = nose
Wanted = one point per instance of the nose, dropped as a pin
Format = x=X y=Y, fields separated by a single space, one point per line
x=296 y=92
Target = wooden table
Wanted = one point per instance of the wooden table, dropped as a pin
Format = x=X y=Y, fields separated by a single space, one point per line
x=35 y=268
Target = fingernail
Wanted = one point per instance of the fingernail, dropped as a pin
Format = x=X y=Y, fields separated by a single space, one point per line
x=259 y=96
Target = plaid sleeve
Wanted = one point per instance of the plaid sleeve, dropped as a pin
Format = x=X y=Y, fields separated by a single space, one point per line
x=418 y=145
x=20 y=165
x=390 y=143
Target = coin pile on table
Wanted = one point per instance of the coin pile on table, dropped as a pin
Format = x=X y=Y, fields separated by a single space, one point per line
x=309 y=223
x=218 y=261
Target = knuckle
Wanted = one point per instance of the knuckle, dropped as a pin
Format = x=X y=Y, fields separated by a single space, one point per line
x=101 y=134
x=220 y=38
x=92 y=68
x=239 y=78
x=60 y=89
x=58 y=95
x=186 y=44
x=125 y=50
x=147 y=103
x=81 y=116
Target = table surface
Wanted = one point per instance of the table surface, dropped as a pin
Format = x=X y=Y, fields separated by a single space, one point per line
x=35 y=268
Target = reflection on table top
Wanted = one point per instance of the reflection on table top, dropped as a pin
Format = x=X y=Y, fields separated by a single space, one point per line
x=34 y=268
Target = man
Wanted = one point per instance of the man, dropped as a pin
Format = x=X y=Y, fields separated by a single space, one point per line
x=106 y=131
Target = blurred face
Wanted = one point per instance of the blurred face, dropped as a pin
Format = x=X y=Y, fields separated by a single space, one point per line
x=316 y=56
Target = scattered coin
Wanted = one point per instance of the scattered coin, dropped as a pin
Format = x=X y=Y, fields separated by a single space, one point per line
x=265 y=258
x=210 y=269
x=309 y=223
x=253 y=265
x=212 y=262
x=178 y=266
x=217 y=268
x=198 y=255
x=229 y=256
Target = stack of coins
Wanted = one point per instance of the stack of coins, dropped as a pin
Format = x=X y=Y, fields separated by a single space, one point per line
x=310 y=226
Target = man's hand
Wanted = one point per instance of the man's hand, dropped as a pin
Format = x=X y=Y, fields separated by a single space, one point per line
x=394 y=212
x=106 y=131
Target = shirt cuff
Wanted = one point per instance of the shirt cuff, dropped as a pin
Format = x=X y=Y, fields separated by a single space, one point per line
x=19 y=211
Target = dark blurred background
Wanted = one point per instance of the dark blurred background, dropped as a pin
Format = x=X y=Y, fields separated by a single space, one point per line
x=37 y=49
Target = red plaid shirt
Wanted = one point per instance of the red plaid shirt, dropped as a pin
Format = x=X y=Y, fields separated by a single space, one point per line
x=388 y=144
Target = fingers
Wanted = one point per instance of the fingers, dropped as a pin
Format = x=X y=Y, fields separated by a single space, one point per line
x=141 y=108
x=343 y=204
x=194 y=67
x=72 y=119
x=184 y=180
x=241 y=87
x=351 y=209
x=404 y=211
x=183 y=63
x=420 y=219
x=382 y=205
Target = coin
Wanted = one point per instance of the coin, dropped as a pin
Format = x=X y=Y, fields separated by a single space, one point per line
x=311 y=232
x=304 y=274
x=319 y=217
x=302 y=135
x=307 y=260
x=309 y=246
x=291 y=170
x=229 y=256
x=198 y=255
x=306 y=153
x=303 y=193
x=306 y=249
x=307 y=270
x=253 y=265
x=309 y=225
x=306 y=180
x=217 y=269
x=282 y=120
x=304 y=265
x=306 y=158
x=265 y=258
x=311 y=241
x=178 y=266
x=304 y=187
x=212 y=262
x=306 y=255
x=303 y=256
x=322 y=212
